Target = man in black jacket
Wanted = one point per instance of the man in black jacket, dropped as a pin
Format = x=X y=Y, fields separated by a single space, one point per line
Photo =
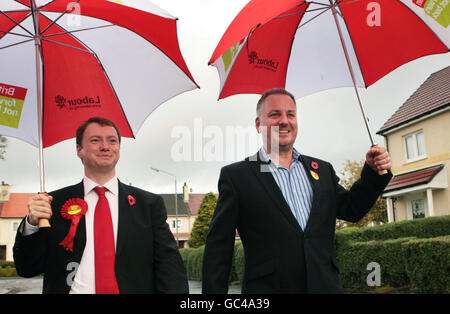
x=129 y=249
x=284 y=206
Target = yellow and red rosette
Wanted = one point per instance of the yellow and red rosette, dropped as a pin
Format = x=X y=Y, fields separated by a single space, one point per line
x=73 y=210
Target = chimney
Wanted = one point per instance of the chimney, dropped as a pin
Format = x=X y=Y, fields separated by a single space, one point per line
x=4 y=192
x=185 y=193
x=4 y=195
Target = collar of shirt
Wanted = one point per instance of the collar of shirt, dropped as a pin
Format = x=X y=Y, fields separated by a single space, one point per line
x=112 y=185
x=266 y=158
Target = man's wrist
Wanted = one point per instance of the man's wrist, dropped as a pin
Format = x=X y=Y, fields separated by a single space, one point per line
x=29 y=228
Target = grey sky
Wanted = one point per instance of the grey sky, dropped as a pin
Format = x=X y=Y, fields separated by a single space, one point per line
x=330 y=123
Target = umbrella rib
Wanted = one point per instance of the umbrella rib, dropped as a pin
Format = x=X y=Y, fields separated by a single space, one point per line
x=78 y=30
x=65 y=45
x=339 y=2
x=318 y=3
x=17 y=34
x=17 y=24
x=22 y=42
x=62 y=14
x=307 y=11
x=314 y=17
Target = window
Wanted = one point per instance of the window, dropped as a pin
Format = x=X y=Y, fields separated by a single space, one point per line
x=174 y=225
x=418 y=208
x=15 y=225
x=415 y=146
x=3 y=253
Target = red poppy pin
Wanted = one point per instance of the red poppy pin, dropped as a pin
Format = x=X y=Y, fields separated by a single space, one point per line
x=73 y=210
x=131 y=200
x=315 y=165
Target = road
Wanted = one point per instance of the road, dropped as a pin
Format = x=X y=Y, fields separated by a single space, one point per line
x=17 y=285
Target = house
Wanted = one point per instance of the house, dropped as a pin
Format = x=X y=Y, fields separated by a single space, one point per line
x=188 y=207
x=179 y=214
x=13 y=207
x=417 y=137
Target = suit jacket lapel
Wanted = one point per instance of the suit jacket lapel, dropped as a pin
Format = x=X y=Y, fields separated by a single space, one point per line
x=307 y=164
x=79 y=241
x=123 y=224
x=273 y=190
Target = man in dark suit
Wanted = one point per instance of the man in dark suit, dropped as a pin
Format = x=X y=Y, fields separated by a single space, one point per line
x=121 y=242
x=284 y=206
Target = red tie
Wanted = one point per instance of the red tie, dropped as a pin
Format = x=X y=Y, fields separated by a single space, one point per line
x=105 y=276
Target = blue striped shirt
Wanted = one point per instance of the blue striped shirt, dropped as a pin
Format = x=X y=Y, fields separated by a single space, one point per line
x=294 y=184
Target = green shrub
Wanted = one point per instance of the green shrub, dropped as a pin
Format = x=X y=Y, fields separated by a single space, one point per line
x=428 y=264
x=185 y=254
x=194 y=262
x=353 y=262
x=8 y=271
x=6 y=264
x=420 y=228
x=239 y=261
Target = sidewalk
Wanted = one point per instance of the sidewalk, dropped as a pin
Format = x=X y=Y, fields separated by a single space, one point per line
x=18 y=285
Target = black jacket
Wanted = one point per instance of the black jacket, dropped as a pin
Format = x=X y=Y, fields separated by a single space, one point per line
x=147 y=257
x=279 y=256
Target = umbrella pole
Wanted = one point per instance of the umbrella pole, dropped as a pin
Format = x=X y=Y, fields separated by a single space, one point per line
x=352 y=74
x=43 y=223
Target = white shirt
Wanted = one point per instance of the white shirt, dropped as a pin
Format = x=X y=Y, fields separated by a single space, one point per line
x=84 y=281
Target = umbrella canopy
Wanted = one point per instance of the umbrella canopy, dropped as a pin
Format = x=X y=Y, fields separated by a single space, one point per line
x=296 y=44
x=118 y=59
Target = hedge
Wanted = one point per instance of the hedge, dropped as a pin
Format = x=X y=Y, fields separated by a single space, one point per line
x=193 y=263
x=8 y=269
x=353 y=262
x=412 y=253
x=420 y=228
x=193 y=260
x=428 y=264
x=239 y=261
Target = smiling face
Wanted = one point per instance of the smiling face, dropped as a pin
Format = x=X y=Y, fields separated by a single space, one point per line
x=277 y=120
x=99 y=149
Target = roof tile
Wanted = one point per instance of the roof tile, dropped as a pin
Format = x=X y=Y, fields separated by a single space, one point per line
x=432 y=95
x=413 y=178
x=17 y=205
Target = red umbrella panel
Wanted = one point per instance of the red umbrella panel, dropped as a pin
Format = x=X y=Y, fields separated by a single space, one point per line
x=296 y=44
x=64 y=61
x=117 y=59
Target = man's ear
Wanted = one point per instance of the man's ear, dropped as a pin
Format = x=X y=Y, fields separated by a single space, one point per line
x=80 y=151
x=257 y=124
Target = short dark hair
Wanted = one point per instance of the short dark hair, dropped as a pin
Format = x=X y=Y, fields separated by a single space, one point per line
x=98 y=120
x=273 y=91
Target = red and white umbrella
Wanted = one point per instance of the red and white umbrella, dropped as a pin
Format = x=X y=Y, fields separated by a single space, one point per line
x=310 y=46
x=64 y=61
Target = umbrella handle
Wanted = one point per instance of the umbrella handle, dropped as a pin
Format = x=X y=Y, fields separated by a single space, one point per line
x=381 y=172
x=44 y=223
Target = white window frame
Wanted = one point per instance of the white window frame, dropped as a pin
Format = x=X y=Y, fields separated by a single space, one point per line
x=173 y=224
x=415 y=156
x=410 y=201
x=15 y=226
